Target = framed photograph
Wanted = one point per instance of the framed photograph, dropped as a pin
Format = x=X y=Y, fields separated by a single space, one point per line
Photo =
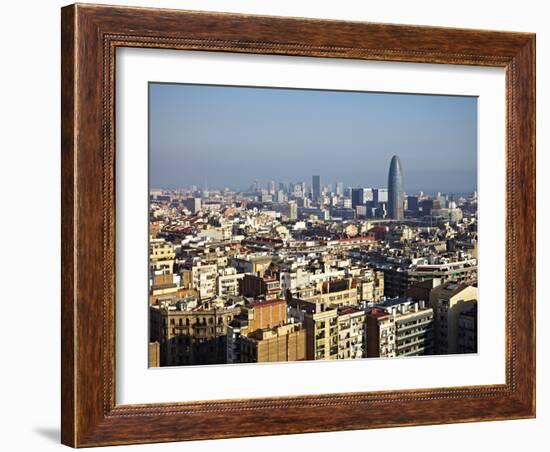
x=281 y=225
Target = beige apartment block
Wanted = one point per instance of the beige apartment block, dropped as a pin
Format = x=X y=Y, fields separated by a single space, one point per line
x=351 y=331
x=154 y=354
x=322 y=334
x=161 y=257
x=449 y=301
x=281 y=343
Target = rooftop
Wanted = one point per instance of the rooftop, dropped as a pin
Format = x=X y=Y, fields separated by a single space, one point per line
x=262 y=303
x=452 y=288
x=345 y=310
x=394 y=302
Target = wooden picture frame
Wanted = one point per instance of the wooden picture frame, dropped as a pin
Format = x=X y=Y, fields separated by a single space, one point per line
x=90 y=36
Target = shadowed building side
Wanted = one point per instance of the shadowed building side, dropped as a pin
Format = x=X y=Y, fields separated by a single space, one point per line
x=395 y=190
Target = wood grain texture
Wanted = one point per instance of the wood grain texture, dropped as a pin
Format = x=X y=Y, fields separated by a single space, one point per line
x=68 y=331
x=90 y=36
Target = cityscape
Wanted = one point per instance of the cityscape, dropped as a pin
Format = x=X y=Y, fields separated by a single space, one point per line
x=266 y=269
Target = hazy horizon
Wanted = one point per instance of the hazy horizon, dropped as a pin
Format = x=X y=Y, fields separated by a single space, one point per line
x=230 y=136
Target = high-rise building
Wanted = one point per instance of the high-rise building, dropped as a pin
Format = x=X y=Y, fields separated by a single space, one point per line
x=442 y=198
x=193 y=204
x=292 y=210
x=280 y=196
x=361 y=196
x=368 y=195
x=339 y=188
x=395 y=189
x=412 y=204
x=379 y=195
x=316 y=187
x=357 y=197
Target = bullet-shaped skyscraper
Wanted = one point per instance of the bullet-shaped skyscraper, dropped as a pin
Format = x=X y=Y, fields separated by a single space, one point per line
x=395 y=189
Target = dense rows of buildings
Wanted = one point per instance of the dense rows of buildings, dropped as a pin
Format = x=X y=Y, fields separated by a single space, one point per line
x=290 y=272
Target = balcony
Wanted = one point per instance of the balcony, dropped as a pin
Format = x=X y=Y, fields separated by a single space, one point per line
x=416 y=352
x=419 y=340
x=408 y=326
x=411 y=334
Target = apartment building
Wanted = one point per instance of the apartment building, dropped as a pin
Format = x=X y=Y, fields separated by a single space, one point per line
x=449 y=301
x=400 y=327
x=255 y=286
x=161 y=257
x=321 y=324
x=191 y=332
x=228 y=282
x=351 y=332
x=257 y=264
x=281 y=343
x=467 y=331
x=259 y=315
x=330 y=293
x=370 y=286
x=397 y=279
x=201 y=278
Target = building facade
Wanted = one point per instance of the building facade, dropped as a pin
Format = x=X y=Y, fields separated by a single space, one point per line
x=351 y=333
x=161 y=257
x=191 y=334
x=400 y=327
x=467 y=331
x=316 y=188
x=449 y=301
x=397 y=279
x=281 y=343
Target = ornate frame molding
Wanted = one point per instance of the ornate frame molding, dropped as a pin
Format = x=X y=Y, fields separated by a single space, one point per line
x=90 y=36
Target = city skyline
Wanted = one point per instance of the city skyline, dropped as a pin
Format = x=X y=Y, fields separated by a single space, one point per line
x=192 y=126
x=327 y=244
x=331 y=185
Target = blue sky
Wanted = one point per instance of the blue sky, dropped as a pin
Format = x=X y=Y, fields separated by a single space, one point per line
x=230 y=136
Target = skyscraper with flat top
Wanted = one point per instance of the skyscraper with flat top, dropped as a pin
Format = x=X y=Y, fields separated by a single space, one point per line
x=395 y=189
x=316 y=187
